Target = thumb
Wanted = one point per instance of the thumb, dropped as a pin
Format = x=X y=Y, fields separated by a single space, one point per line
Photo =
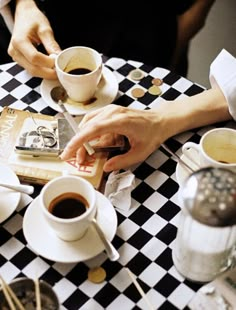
x=50 y=44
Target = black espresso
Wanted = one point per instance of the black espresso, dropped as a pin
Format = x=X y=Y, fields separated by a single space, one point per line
x=68 y=205
x=79 y=71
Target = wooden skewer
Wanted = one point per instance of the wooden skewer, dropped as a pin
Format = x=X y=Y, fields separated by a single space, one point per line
x=10 y=296
x=139 y=289
x=37 y=294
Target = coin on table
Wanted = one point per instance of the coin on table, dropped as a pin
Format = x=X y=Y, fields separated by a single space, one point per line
x=157 y=81
x=136 y=74
x=138 y=92
x=154 y=90
x=97 y=274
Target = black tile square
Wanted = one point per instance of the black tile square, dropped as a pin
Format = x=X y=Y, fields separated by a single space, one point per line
x=76 y=300
x=146 y=68
x=139 y=239
x=138 y=264
x=142 y=192
x=47 y=111
x=81 y=270
x=171 y=94
x=173 y=145
x=125 y=69
x=141 y=215
x=167 y=285
x=165 y=259
x=23 y=258
x=11 y=85
x=167 y=306
x=106 y=295
x=112 y=268
x=167 y=234
x=34 y=82
x=132 y=293
x=8 y=100
x=125 y=85
x=117 y=242
x=193 y=285
x=143 y=171
x=3 y=260
x=20 y=236
x=168 y=188
x=123 y=101
x=146 y=82
x=5 y=235
x=168 y=210
x=32 y=96
x=51 y=276
x=168 y=167
x=14 y=70
x=147 y=98
x=171 y=78
x=193 y=90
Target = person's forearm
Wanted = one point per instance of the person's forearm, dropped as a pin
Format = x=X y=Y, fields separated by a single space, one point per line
x=206 y=108
x=190 y=22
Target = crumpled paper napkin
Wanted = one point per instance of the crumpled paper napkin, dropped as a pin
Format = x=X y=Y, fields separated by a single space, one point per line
x=118 y=189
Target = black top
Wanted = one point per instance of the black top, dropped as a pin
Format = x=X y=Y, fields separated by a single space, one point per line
x=127 y=30
x=143 y=32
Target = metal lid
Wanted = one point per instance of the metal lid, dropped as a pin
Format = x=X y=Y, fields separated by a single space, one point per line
x=209 y=195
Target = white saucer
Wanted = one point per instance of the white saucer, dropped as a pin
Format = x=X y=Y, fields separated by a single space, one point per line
x=43 y=240
x=9 y=198
x=182 y=172
x=105 y=94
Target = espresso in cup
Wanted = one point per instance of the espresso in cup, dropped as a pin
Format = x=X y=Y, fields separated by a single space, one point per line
x=68 y=205
x=79 y=71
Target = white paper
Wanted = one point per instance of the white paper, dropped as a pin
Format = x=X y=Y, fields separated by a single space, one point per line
x=118 y=189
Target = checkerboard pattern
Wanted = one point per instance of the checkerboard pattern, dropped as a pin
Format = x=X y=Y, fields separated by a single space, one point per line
x=145 y=233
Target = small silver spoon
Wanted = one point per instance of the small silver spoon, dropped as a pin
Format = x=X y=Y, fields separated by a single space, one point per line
x=59 y=95
x=177 y=158
x=25 y=189
x=112 y=253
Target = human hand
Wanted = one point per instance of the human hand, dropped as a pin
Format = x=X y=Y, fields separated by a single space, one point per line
x=141 y=128
x=32 y=28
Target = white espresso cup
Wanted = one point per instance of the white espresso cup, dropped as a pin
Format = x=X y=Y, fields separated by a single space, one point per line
x=217 y=148
x=68 y=204
x=79 y=70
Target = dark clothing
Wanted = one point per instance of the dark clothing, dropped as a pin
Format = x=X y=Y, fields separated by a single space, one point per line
x=137 y=32
x=4 y=42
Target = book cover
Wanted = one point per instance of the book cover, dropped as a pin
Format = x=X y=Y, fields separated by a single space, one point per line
x=39 y=131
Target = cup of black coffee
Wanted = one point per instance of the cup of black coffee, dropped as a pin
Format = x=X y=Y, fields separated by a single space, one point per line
x=79 y=70
x=68 y=204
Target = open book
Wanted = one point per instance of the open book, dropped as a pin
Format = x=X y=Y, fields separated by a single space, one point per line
x=24 y=130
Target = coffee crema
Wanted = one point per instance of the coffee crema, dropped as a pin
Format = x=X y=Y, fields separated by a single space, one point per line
x=79 y=71
x=68 y=205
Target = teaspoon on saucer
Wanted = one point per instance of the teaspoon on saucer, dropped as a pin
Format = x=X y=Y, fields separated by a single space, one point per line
x=112 y=253
x=25 y=189
x=59 y=95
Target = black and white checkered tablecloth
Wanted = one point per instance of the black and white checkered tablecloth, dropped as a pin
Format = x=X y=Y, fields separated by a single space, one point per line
x=145 y=233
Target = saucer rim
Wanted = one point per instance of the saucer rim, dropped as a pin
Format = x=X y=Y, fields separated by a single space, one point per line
x=180 y=169
x=91 y=107
x=11 y=206
x=102 y=210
